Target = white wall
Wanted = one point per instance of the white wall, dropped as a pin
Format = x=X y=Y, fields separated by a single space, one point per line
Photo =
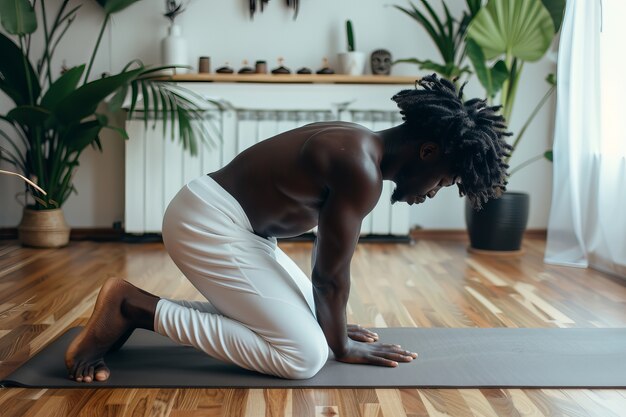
x=223 y=31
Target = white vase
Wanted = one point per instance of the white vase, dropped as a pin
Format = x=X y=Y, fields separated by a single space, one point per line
x=352 y=63
x=174 y=49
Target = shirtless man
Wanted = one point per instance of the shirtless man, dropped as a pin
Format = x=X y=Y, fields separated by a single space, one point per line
x=262 y=313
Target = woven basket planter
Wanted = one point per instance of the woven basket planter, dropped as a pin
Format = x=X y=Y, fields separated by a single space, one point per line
x=43 y=228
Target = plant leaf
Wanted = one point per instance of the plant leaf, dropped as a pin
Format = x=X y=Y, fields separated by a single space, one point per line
x=474 y=6
x=13 y=76
x=145 y=96
x=79 y=136
x=556 y=9
x=428 y=27
x=549 y=155
x=522 y=29
x=477 y=58
x=155 y=99
x=133 y=97
x=63 y=86
x=29 y=115
x=118 y=99
x=499 y=74
x=114 y=6
x=97 y=144
x=448 y=70
x=18 y=17
x=84 y=101
x=122 y=132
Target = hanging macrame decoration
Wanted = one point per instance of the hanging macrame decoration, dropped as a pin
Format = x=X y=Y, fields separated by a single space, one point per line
x=260 y=5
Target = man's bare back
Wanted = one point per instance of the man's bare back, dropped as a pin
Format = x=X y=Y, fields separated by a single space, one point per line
x=281 y=182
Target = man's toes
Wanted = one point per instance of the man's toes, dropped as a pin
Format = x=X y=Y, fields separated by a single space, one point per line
x=88 y=374
x=79 y=373
x=102 y=373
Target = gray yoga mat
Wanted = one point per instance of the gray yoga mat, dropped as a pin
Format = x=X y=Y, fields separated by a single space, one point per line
x=447 y=358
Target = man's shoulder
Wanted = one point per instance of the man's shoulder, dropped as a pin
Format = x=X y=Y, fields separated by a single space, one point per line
x=343 y=141
x=345 y=156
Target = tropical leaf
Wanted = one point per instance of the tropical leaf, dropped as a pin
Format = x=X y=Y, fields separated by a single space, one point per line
x=428 y=27
x=79 y=136
x=446 y=33
x=97 y=144
x=549 y=155
x=13 y=77
x=62 y=87
x=155 y=100
x=114 y=6
x=122 y=132
x=115 y=104
x=556 y=9
x=29 y=115
x=145 y=94
x=84 y=101
x=521 y=29
x=16 y=157
x=448 y=71
x=474 y=6
x=18 y=17
x=490 y=78
x=133 y=97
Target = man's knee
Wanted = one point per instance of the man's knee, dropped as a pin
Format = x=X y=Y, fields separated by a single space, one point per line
x=306 y=362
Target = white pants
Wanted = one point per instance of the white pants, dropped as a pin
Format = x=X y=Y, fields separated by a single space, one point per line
x=260 y=312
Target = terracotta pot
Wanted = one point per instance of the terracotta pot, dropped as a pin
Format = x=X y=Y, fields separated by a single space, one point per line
x=43 y=228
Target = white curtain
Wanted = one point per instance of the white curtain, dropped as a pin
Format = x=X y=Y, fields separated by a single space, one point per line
x=587 y=225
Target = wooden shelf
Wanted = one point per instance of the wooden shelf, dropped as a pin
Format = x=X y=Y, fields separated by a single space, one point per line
x=295 y=78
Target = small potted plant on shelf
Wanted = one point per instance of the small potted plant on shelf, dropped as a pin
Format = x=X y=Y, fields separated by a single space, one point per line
x=351 y=62
x=55 y=118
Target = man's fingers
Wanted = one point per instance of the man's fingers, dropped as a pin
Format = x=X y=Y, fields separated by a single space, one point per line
x=398 y=357
x=360 y=337
x=356 y=329
x=380 y=361
x=397 y=348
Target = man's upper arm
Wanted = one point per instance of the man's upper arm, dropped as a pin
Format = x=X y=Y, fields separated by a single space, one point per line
x=353 y=191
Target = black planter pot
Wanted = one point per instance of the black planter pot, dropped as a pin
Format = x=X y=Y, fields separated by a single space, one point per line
x=501 y=223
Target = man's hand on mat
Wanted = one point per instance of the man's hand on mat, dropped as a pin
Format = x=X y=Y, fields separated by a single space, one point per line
x=361 y=334
x=381 y=354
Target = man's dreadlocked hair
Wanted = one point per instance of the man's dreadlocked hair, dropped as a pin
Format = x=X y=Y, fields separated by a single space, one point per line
x=471 y=134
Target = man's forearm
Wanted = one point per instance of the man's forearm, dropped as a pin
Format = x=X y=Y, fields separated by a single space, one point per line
x=330 y=304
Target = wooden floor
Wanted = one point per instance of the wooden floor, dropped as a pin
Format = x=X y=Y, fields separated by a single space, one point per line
x=429 y=284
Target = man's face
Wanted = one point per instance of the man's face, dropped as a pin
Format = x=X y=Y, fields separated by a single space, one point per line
x=421 y=179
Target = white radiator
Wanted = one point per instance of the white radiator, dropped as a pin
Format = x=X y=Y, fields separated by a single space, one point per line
x=156 y=169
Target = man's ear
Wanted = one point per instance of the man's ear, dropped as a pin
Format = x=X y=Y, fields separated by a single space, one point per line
x=429 y=151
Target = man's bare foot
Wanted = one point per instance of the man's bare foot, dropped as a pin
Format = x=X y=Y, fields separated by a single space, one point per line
x=120 y=308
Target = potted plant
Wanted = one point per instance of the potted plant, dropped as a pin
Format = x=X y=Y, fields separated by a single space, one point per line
x=353 y=61
x=55 y=118
x=509 y=33
x=448 y=36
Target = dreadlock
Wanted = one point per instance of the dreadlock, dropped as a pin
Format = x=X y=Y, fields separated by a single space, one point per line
x=471 y=134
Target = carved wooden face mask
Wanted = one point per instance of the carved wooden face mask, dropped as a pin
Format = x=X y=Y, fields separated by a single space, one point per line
x=381 y=62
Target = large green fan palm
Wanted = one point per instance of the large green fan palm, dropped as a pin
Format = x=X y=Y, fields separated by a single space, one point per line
x=510 y=33
x=514 y=32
